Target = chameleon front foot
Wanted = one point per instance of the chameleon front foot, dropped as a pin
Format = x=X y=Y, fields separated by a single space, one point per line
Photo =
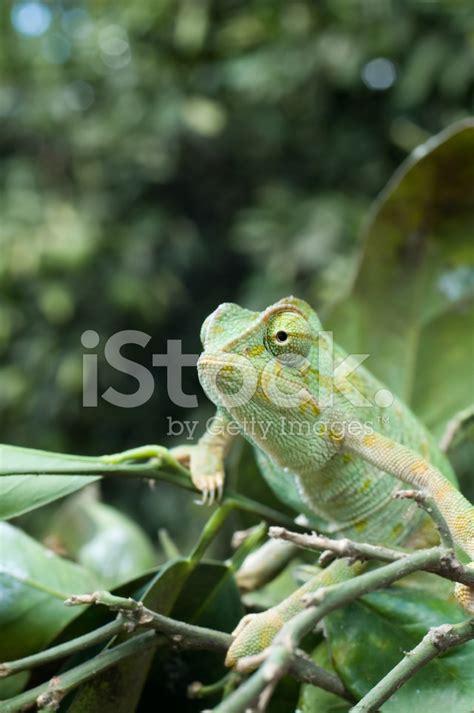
x=254 y=633
x=207 y=471
x=211 y=488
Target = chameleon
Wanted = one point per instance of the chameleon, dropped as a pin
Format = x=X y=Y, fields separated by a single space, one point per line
x=331 y=441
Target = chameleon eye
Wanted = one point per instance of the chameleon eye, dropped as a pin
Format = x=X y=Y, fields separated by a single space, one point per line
x=288 y=333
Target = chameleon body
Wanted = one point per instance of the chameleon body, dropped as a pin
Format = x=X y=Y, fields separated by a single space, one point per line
x=331 y=441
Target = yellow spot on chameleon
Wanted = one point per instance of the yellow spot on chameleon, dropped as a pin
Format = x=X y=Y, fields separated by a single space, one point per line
x=255 y=351
x=360 y=526
x=419 y=467
x=310 y=407
x=335 y=436
x=347 y=458
x=442 y=491
x=463 y=523
x=369 y=440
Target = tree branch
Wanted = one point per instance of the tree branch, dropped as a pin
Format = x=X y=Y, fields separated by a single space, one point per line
x=277 y=658
x=48 y=695
x=62 y=650
x=447 y=565
x=152 y=463
x=428 y=503
x=189 y=636
x=434 y=643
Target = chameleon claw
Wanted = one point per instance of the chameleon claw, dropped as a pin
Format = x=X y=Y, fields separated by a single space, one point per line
x=212 y=495
x=203 y=499
x=211 y=489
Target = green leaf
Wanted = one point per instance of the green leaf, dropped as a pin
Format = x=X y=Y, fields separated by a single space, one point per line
x=367 y=638
x=13 y=685
x=35 y=582
x=102 y=539
x=316 y=699
x=203 y=593
x=118 y=690
x=411 y=306
x=22 y=493
x=210 y=598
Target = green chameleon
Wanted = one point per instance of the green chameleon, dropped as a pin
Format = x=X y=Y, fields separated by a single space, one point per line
x=330 y=441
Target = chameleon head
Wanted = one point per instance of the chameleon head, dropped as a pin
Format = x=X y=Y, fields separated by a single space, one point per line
x=258 y=365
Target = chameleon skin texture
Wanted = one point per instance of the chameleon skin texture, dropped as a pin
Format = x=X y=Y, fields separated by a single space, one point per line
x=331 y=440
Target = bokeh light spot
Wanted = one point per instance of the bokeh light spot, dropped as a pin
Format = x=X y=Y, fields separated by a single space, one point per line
x=31 y=18
x=379 y=74
x=113 y=40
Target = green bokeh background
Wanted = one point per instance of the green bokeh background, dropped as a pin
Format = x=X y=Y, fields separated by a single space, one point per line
x=159 y=157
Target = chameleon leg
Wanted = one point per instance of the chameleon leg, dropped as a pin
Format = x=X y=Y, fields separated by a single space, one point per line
x=206 y=459
x=256 y=631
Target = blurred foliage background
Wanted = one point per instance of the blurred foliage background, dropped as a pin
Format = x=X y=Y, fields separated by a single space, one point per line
x=159 y=157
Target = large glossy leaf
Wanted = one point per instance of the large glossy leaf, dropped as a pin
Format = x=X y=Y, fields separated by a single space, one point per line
x=367 y=638
x=411 y=307
x=34 y=583
x=202 y=593
x=102 y=539
x=314 y=699
x=118 y=690
x=22 y=493
x=209 y=598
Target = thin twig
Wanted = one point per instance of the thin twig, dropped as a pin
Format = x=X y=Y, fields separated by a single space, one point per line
x=447 y=566
x=62 y=650
x=51 y=693
x=150 y=462
x=189 y=636
x=434 y=643
x=201 y=690
x=428 y=503
x=454 y=427
x=279 y=654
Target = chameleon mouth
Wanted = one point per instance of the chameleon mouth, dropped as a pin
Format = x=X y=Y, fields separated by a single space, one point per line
x=228 y=379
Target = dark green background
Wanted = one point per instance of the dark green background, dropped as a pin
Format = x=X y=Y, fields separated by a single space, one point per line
x=157 y=158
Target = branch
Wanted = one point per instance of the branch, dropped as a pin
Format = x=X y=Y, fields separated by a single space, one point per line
x=181 y=634
x=447 y=565
x=454 y=427
x=62 y=650
x=48 y=695
x=428 y=503
x=189 y=636
x=278 y=656
x=152 y=463
x=434 y=643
